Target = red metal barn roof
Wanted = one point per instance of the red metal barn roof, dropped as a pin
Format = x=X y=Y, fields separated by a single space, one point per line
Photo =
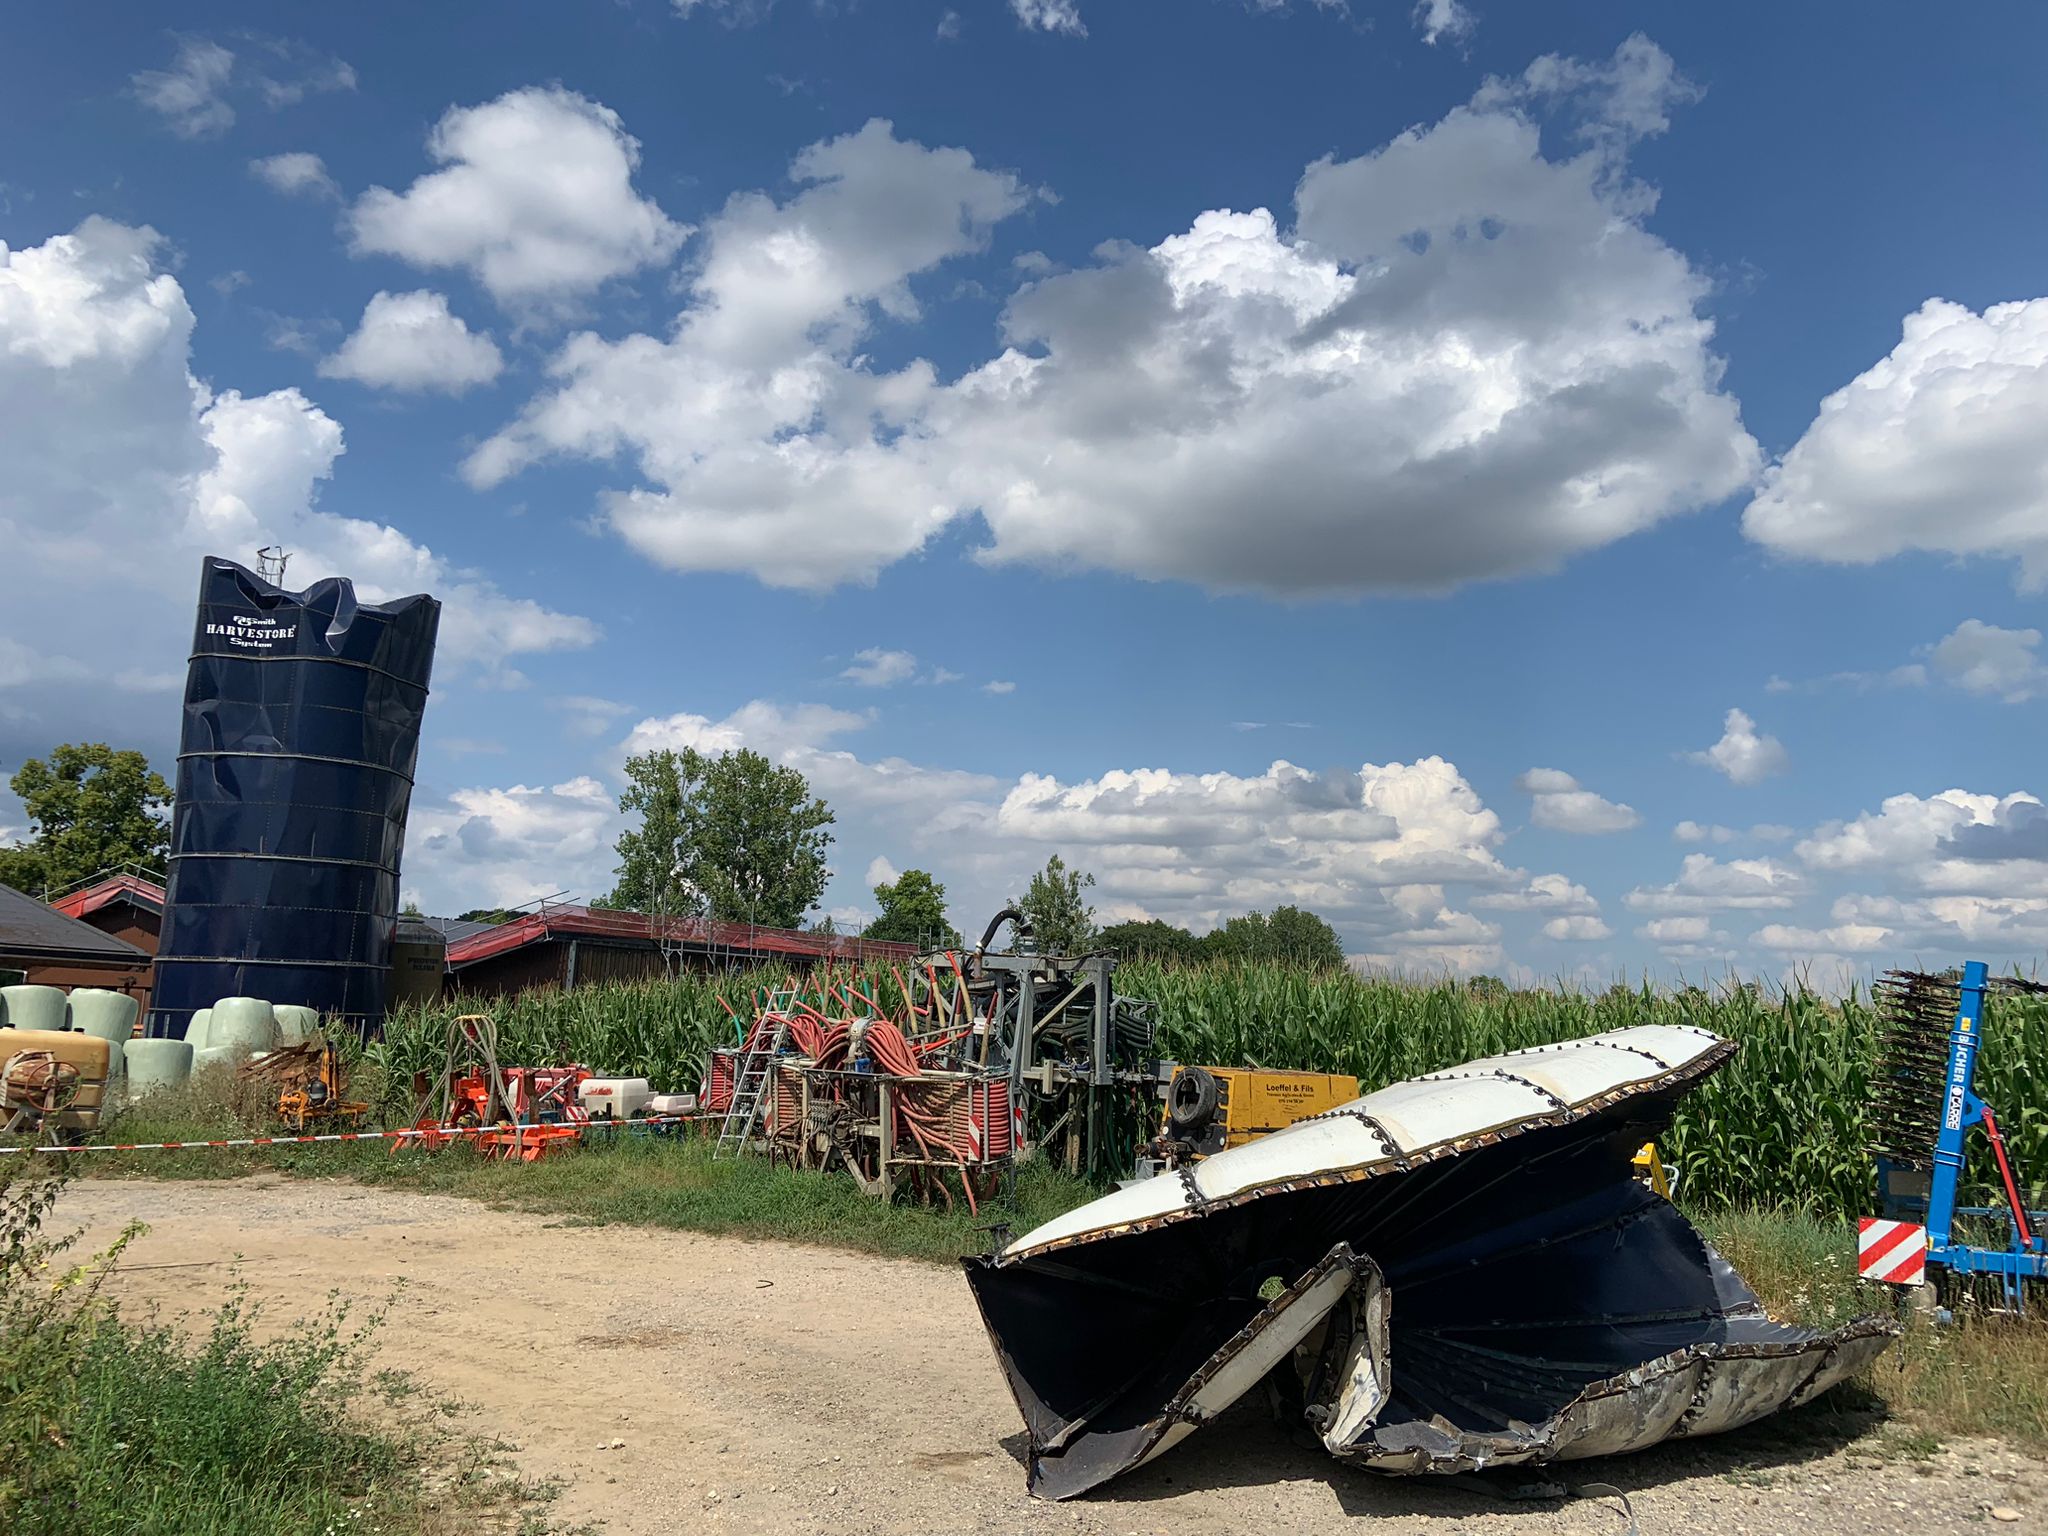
x=741 y=940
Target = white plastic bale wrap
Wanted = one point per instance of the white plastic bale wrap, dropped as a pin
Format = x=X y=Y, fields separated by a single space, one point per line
x=108 y=1016
x=198 y=1028
x=30 y=1006
x=1528 y=1298
x=296 y=1023
x=244 y=1024
x=154 y=1064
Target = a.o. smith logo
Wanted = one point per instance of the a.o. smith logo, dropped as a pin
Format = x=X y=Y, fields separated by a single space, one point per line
x=253 y=631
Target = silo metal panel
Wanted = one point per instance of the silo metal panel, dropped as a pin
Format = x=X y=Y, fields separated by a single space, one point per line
x=301 y=731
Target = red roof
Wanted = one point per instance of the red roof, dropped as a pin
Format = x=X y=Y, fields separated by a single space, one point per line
x=700 y=932
x=144 y=893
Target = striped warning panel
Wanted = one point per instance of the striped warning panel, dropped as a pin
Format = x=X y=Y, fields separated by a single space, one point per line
x=1892 y=1251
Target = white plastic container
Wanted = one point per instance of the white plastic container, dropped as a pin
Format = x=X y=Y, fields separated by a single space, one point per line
x=619 y=1098
x=244 y=1025
x=198 y=1027
x=672 y=1104
x=296 y=1023
x=154 y=1064
x=34 y=1007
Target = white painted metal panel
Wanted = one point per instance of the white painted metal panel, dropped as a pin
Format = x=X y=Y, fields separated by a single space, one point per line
x=1308 y=1146
x=1676 y=1045
x=1422 y=1113
x=1576 y=1076
x=1134 y=1202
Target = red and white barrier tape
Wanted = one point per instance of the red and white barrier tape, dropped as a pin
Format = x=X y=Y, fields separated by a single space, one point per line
x=415 y=1133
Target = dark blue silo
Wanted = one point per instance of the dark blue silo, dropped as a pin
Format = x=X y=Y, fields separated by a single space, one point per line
x=302 y=726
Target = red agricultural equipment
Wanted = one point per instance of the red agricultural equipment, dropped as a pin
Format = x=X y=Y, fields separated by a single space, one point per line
x=533 y=1109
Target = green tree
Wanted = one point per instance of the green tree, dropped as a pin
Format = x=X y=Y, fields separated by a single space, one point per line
x=1060 y=915
x=734 y=836
x=1149 y=940
x=89 y=808
x=913 y=912
x=1290 y=936
x=655 y=855
x=491 y=915
x=757 y=841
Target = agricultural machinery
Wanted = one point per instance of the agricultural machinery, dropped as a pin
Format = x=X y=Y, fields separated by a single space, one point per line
x=1926 y=1106
x=993 y=1054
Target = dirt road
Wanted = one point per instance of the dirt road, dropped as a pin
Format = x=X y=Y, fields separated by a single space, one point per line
x=676 y=1380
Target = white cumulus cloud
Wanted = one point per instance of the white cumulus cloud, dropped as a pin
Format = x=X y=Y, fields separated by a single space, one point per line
x=1444 y=21
x=877 y=668
x=1463 y=359
x=534 y=198
x=1936 y=447
x=117 y=465
x=195 y=96
x=411 y=341
x=296 y=174
x=1985 y=659
x=1705 y=884
x=1577 y=930
x=1744 y=754
x=1560 y=803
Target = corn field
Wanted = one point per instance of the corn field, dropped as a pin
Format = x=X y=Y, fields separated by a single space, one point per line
x=1781 y=1125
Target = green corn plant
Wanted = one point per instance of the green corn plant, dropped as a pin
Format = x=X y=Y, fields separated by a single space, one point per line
x=1784 y=1124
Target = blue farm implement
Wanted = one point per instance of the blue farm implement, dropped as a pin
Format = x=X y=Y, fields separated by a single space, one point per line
x=1926 y=1107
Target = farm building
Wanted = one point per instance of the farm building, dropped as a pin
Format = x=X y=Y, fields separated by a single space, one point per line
x=571 y=946
x=55 y=949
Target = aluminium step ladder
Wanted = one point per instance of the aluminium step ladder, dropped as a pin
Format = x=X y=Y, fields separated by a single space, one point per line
x=751 y=1083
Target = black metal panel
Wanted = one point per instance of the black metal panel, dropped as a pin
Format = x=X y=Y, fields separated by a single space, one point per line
x=301 y=729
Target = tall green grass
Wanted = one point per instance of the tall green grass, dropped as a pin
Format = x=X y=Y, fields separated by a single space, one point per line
x=1784 y=1125
x=114 y=1423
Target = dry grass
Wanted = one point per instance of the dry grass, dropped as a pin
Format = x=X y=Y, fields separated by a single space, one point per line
x=1980 y=1374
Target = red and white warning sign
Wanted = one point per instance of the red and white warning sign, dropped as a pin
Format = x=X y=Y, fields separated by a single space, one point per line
x=1892 y=1251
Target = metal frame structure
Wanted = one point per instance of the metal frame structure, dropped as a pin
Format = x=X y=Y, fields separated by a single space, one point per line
x=1901 y=1180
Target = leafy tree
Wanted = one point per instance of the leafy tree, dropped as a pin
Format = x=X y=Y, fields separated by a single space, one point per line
x=733 y=835
x=653 y=856
x=89 y=808
x=1290 y=936
x=492 y=915
x=913 y=912
x=757 y=841
x=411 y=909
x=1149 y=940
x=1060 y=915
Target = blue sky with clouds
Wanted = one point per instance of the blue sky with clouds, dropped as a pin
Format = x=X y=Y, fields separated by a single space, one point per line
x=1559 y=490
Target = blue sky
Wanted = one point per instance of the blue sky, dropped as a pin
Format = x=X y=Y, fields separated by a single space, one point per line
x=1594 y=453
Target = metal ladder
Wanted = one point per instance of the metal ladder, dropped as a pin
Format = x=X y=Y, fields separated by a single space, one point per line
x=750 y=1084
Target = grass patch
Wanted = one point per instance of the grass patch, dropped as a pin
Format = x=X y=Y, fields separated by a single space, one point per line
x=632 y=1178
x=109 y=1423
x=1979 y=1375
x=1983 y=1375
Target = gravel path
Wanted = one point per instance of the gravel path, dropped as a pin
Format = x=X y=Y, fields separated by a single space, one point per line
x=677 y=1380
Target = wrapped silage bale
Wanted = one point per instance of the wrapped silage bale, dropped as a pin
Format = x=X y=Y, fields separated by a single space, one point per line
x=245 y=1025
x=154 y=1064
x=108 y=1016
x=35 y=1007
x=296 y=1023
x=198 y=1027
x=217 y=1056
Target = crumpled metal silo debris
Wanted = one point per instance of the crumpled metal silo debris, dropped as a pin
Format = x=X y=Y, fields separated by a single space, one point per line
x=1470 y=1277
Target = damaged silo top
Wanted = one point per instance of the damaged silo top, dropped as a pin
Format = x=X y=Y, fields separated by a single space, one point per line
x=1468 y=1275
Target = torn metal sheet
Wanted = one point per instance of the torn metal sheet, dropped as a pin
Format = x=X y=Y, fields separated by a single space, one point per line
x=1468 y=1275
